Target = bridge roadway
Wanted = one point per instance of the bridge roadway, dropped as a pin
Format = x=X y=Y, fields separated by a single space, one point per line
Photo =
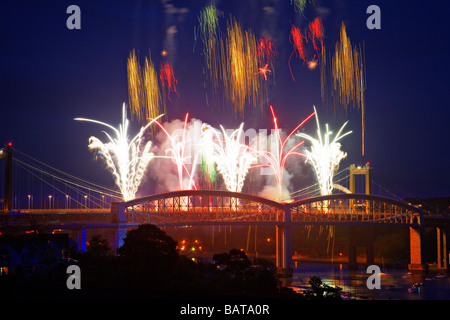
x=213 y=207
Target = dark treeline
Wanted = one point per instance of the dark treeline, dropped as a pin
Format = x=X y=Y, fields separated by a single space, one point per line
x=149 y=265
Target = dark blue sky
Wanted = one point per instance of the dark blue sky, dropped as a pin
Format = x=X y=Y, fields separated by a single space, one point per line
x=49 y=75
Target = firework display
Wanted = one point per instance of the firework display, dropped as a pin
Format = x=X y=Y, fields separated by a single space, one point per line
x=266 y=51
x=317 y=34
x=167 y=79
x=209 y=33
x=232 y=58
x=277 y=156
x=143 y=89
x=264 y=71
x=237 y=65
x=126 y=159
x=233 y=158
x=324 y=155
x=348 y=77
x=207 y=167
x=299 y=40
x=177 y=152
x=299 y=5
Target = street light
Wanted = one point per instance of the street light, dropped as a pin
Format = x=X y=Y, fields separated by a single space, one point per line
x=67 y=201
x=50 y=201
x=85 y=202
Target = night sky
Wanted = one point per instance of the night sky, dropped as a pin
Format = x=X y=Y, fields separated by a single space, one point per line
x=50 y=75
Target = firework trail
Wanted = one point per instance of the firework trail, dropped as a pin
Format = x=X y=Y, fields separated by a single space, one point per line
x=231 y=59
x=265 y=51
x=348 y=75
x=239 y=65
x=177 y=152
x=134 y=84
x=126 y=159
x=299 y=5
x=325 y=155
x=277 y=158
x=209 y=33
x=317 y=34
x=296 y=39
x=143 y=89
x=167 y=79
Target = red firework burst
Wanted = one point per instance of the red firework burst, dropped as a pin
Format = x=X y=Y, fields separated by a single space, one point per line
x=167 y=78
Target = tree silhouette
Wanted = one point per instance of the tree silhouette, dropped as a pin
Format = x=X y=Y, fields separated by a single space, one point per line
x=148 y=251
x=321 y=291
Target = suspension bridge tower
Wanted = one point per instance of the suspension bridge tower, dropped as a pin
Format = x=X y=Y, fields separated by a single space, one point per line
x=364 y=171
x=6 y=153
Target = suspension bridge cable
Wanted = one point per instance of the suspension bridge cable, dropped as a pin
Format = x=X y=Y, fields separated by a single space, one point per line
x=48 y=183
x=67 y=174
x=65 y=180
x=302 y=192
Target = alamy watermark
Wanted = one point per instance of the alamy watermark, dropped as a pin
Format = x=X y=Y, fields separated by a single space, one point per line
x=74 y=20
x=374 y=280
x=74 y=280
x=374 y=20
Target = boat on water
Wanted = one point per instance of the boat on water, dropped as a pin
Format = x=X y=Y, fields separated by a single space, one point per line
x=415 y=288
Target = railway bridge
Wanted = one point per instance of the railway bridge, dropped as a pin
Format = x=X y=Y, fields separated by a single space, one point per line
x=212 y=207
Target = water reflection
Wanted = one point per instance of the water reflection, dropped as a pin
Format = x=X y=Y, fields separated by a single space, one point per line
x=395 y=283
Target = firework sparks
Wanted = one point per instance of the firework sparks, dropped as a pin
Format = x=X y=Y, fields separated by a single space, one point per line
x=134 y=84
x=325 y=155
x=177 y=152
x=348 y=74
x=231 y=59
x=143 y=89
x=317 y=34
x=264 y=71
x=209 y=33
x=265 y=51
x=240 y=60
x=296 y=39
x=299 y=5
x=312 y=64
x=233 y=158
x=167 y=79
x=207 y=165
x=277 y=158
x=125 y=158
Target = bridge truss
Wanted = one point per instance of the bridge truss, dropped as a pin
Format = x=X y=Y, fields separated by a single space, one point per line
x=190 y=207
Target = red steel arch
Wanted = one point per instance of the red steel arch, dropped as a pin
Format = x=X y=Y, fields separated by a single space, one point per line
x=354 y=208
x=202 y=207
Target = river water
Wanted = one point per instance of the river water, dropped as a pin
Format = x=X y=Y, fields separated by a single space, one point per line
x=394 y=282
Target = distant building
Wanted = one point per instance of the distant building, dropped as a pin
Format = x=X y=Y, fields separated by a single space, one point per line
x=33 y=254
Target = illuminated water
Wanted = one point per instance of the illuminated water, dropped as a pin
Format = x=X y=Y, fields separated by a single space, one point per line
x=394 y=282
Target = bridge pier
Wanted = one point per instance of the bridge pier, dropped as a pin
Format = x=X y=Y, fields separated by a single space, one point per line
x=416 y=241
x=284 y=260
x=442 y=251
x=353 y=244
x=81 y=239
